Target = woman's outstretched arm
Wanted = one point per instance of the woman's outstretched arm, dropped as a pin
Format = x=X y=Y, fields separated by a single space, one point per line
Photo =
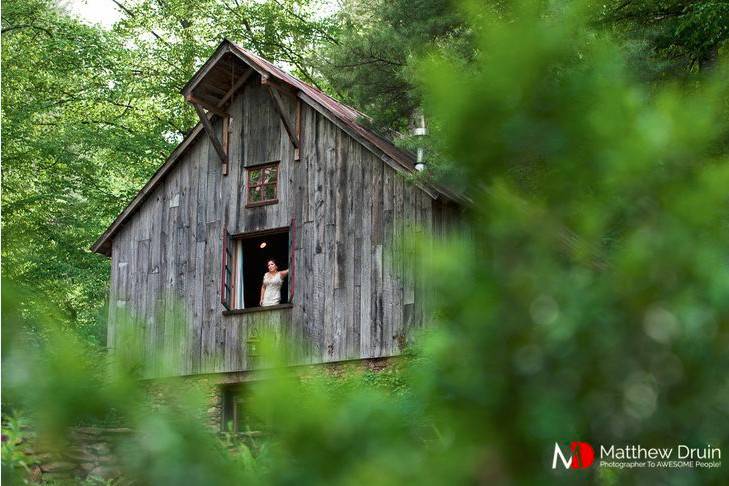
x=284 y=273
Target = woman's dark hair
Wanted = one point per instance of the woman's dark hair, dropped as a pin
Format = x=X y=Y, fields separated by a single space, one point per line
x=272 y=260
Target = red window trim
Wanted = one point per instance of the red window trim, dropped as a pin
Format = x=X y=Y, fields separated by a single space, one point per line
x=292 y=259
x=227 y=284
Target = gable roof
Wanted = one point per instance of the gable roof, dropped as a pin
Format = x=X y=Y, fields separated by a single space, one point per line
x=343 y=116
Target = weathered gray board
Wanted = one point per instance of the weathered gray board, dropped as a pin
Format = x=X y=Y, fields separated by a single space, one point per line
x=356 y=295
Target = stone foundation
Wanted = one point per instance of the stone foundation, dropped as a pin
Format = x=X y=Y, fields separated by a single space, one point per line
x=89 y=452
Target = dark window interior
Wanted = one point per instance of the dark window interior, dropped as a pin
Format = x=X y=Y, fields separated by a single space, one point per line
x=237 y=416
x=257 y=251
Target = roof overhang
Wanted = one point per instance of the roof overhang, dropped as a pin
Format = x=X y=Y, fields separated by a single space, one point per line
x=219 y=78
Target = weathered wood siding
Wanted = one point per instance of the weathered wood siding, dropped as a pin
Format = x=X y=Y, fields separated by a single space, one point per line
x=357 y=290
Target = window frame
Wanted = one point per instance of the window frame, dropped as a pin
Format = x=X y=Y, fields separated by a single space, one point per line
x=229 y=309
x=249 y=187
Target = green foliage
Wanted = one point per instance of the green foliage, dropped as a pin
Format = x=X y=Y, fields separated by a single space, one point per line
x=390 y=379
x=53 y=149
x=369 y=65
x=598 y=303
x=14 y=461
x=679 y=37
x=173 y=38
x=59 y=384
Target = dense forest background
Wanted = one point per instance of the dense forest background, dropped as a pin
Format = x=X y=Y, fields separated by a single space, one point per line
x=592 y=138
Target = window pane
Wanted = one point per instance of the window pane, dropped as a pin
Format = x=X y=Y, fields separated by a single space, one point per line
x=270 y=191
x=269 y=175
x=262 y=184
x=255 y=194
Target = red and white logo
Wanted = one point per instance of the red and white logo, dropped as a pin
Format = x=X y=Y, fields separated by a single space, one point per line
x=580 y=455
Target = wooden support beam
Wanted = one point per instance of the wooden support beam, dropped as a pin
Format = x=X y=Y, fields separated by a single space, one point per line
x=240 y=82
x=216 y=107
x=282 y=88
x=208 y=105
x=211 y=134
x=214 y=90
x=226 y=142
x=290 y=128
x=297 y=150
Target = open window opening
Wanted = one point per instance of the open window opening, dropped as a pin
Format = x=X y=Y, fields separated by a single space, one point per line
x=246 y=262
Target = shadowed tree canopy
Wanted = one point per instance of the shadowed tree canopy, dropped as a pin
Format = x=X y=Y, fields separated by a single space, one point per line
x=678 y=36
x=370 y=65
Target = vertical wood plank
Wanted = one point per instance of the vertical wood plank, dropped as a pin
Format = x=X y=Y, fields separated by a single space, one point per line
x=366 y=321
x=317 y=163
x=354 y=249
x=377 y=330
x=327 y=139
x=388 y=287
x=398 y=269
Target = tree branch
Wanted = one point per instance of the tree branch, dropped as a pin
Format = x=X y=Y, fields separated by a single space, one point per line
x=27 y=26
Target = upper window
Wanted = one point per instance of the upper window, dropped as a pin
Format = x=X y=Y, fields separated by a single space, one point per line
x=262 y=182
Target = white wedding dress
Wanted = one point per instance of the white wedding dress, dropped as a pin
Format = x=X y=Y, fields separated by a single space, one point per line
x=272 y=291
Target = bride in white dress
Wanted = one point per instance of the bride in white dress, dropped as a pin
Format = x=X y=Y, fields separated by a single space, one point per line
x=271 y=288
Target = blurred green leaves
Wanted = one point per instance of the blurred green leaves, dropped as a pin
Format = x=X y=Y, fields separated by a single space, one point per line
x=600 y=237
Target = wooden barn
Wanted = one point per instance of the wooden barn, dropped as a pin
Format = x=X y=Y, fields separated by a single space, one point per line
x=275 y=169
